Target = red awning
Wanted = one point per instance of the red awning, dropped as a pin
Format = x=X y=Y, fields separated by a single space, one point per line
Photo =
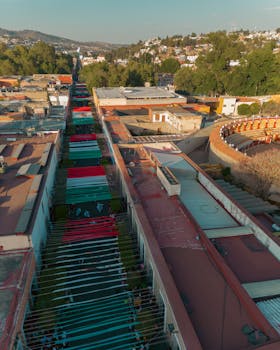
x=81 y=109
x=82 y=137
x=86 y=171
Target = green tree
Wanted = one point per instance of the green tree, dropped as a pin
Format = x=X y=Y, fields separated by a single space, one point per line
x=95 y=75
x=7 y=67
x=244 y=109
x=134 y=78
x=223 y=49
x=261 y=68
x=184 y=80
x=43 y=57
x=170 y=65
x=255 y=108
x=271 y=108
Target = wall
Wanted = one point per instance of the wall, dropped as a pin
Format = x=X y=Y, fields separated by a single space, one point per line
x=171 y=189
x=40 y=226
x=228 y=106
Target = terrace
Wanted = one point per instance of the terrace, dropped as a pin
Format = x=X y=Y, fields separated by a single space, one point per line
x=190 y=263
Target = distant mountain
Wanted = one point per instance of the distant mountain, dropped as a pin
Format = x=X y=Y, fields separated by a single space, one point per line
x=53 y=39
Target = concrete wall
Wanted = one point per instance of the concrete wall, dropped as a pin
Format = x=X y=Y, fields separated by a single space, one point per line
x=139 y=128
x=171 y=189
x=40 y=226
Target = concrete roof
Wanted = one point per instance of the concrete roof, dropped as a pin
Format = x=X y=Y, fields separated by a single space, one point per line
x=135 y=93
x=205 y=209
x=200 y=283
x=14 y=189
x=11 y=266
x=47 y=124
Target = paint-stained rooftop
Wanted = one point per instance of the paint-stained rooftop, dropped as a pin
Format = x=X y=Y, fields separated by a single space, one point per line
x=14 y=188
x=216 y=312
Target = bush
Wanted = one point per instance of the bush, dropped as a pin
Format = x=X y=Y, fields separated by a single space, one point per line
x=255 y=108
x=244 y=109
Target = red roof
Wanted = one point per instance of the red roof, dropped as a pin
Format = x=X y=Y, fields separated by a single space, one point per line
x=65 y=79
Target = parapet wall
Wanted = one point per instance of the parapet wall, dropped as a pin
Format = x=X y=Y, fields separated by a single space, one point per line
x=225 y=149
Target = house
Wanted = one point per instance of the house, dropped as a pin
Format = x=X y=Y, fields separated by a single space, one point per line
x=181 y=119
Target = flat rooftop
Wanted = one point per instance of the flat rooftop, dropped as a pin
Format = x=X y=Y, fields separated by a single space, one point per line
x=14 y=189
x=205 y=209
x=11 y=266
x=136 y=93
x=216 y=312
x=249 y=259
x=38 y=125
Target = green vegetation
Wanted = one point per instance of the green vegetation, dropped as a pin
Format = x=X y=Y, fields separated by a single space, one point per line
x=104 y=74
x=60 y=212
x=40 y=58
x=245 y=109
x=257 y=73
x=271 y=108
x=116 y=205
x=170 y=65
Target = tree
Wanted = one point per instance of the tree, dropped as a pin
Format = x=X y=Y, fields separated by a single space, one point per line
x=244 y=109
x=255 y=108
x=261 y=171
x=184 y=81
x=170 y=65
x=43 y=57
x=271 y=108
x=223 y=49
x=134 y=78
x=95 y=75
x=64 y=64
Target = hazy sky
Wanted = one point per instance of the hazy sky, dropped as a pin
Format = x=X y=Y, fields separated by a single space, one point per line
x=127 y=21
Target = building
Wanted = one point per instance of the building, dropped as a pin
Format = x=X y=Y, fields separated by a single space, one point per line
x=226 y=105
x=135 y=96
x=181 y=119
x=30 y=170
x=229 y=142
x=16 y=276
x=212 y=266
x=28 y=162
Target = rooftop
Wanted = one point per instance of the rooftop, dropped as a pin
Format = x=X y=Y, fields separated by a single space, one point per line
x=12 y=266
x=38 y=125
x=199 y=280
x=136 y=93
x=12 y=183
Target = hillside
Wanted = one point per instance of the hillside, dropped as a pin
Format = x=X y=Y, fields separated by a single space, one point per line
x=34 y=35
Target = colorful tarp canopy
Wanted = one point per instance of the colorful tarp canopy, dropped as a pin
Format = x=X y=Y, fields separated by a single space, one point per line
x=81 y=109
x=82 y=118
x=84 y=150
x=82 y=137
x=86 y=171
x=87 y=184
x=93 y=228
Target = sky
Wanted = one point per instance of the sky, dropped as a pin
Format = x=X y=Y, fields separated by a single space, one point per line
x=128 y=21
